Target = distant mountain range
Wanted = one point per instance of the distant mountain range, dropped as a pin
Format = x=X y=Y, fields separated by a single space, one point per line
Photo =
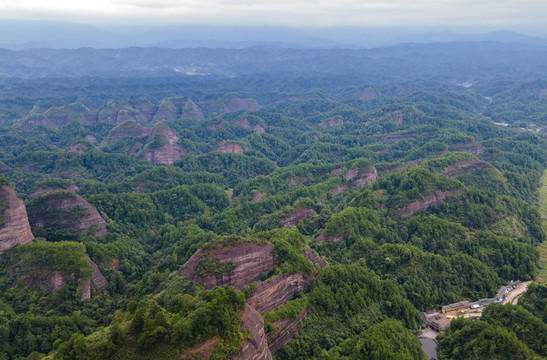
x=17 y=35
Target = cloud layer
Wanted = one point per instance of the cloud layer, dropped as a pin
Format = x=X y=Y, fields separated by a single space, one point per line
x=284 y=12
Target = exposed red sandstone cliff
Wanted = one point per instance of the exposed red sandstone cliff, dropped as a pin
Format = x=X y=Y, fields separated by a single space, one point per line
x=244 y=123
x=274 y=293
x=285 y=330
x=99 y=281
x=167 y=153
x=296 y=217
x=473 y=147
x=200 y=351
x=91 y=222
x=322 y=238
x=250 y=261
x=367 y=177
x=230 y=147
x=257 y=349
x=427 y=201
x=466 y=167
x=398 y=116
x=16 y=227
x=366 y=94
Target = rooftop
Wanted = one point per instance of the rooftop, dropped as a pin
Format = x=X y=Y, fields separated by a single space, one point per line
x=456 y=306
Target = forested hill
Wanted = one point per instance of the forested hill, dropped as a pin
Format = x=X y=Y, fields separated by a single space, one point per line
x=291 y=204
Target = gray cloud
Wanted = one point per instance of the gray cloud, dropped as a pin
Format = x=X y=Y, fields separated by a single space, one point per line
x=284 y=12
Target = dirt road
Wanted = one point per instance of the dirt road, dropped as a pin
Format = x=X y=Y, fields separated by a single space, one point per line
x=513 y=296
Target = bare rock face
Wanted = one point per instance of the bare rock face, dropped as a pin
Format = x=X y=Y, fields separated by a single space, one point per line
x=15 y=228
x=296 y=217
x=200 y=351
x=78 y=148
x=139 y=110
x=336 y=171
x=314 y=258
x=59 y=116
x=90 y=138
x=167 y=153
x=285 y=331
x=366 y=94
x=250 y=260
x=244 y=123
x=274 y=293
x=128 y=129
x=99 y=281
x=398 y=116
x=334 y=122
x=351 y=173
x=53 y=283
x=473 y=147
x=339 y=189
x=214 y=126
x=367 y=177
x=230 y=147
x=427 y=201
x=86 y=290
x=235 y=103
x=466 y=167
x=58 y=199
x=176 y=107
x=322 y=238
x=404 y=165
x=191 y=111
x=257 y=349
x=257 y=197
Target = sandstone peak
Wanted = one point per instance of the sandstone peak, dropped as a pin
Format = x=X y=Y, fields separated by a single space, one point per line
x=14 y=224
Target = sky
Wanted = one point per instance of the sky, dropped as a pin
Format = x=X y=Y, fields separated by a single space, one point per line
x=294 y=13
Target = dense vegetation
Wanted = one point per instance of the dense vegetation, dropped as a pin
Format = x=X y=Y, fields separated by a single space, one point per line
x=401 y=181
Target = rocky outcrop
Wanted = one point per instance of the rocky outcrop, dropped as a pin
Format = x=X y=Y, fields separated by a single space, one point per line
x=59 y=116
x=274 y=293
x=466 y=167
x=85 y=289
x=285 y=330
x=167 y=151
x=78 y=148
x=367 y=177
x=351 y=173
x=334 y=122
x=177 y=107
x=235 y=103
x=334 y=239
x=66 y=201
x=139 y=110
x=200 y=351
x=128 y=129
x=99 y=281
x=366 y=94
x=398 y=116
x=256 y=349
x=336 y=171
x=257 y=197
x=404 y=165
x=53 y=283
x=339 y=189
x=314 y=258
x=249 y=260
x=473 y=147
x=427 y=201
x=230 y=147
x=15 y=227
x=296 y=217
x=244 y=123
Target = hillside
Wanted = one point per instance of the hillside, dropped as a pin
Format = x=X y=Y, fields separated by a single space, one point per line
x=277 y=208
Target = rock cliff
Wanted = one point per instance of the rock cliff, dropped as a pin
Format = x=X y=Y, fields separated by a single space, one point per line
x=256 y=349
x=249 y=261
x=163 y=147
x=14 y=224
x=296 y=217
x=99 y=281
x=73 y=213
x=430 y=200
x=274 y=293
x=285 y=330
x=230 y=147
